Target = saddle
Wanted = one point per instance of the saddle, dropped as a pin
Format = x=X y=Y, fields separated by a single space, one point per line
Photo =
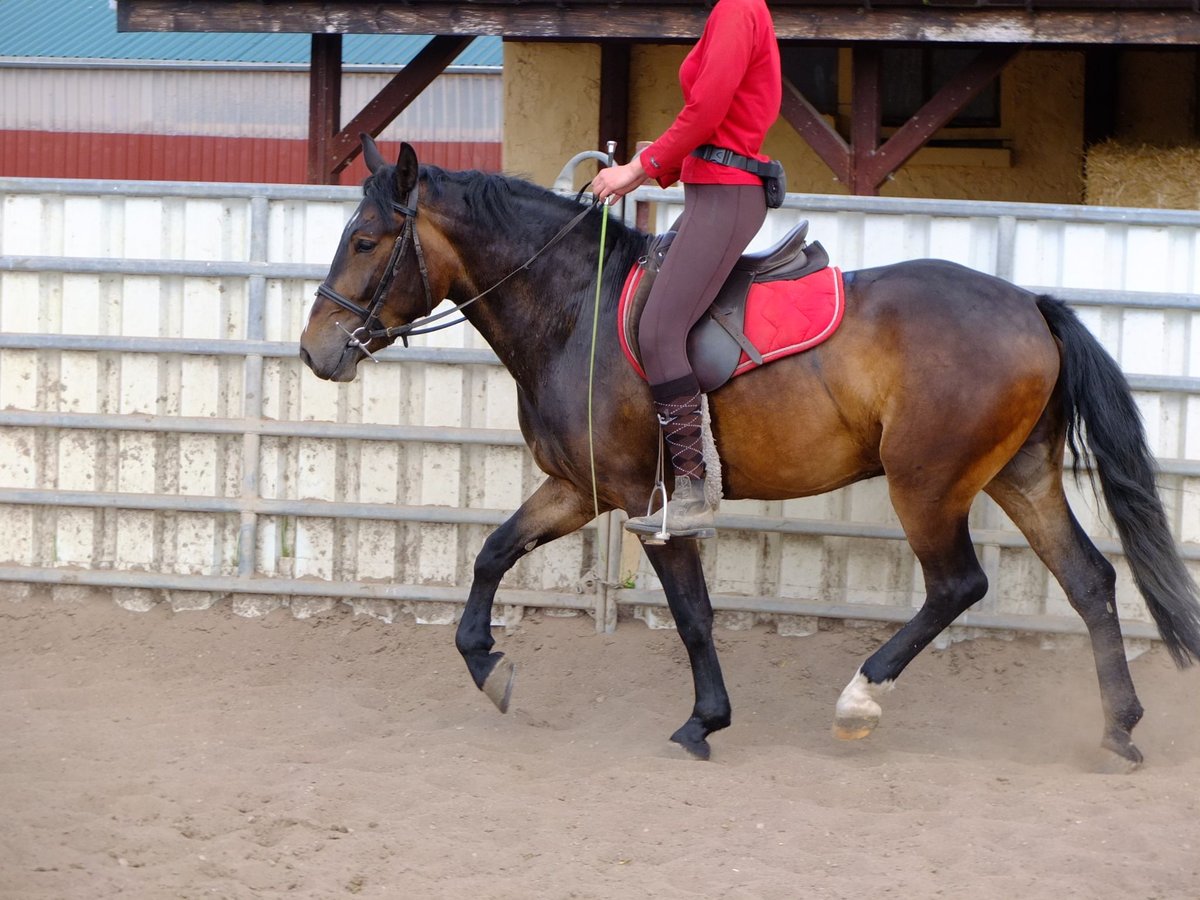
x=717 y=341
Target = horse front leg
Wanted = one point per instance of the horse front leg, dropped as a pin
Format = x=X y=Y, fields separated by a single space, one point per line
x=677 y=564
x=554 y=509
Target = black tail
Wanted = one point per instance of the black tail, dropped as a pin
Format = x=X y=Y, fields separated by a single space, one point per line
x=1102 y=417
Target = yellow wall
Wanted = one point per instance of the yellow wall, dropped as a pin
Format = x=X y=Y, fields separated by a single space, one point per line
x=552 y=106
x=1041 y=95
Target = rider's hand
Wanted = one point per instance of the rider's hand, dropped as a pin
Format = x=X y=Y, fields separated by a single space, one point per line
x=617 y=181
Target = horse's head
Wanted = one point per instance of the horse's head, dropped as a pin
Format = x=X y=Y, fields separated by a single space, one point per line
x=379 y=277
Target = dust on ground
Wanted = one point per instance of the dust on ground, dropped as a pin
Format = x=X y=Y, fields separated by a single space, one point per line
x=199 y=754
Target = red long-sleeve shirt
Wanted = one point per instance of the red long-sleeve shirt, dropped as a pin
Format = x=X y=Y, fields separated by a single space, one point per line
x=732 y=90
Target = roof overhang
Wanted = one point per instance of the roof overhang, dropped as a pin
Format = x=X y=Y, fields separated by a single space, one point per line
x=1156 y=22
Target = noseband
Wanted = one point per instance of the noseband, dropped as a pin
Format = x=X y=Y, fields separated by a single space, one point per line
x=369 y=330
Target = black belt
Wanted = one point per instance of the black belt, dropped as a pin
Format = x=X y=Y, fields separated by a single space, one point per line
x=724 y=157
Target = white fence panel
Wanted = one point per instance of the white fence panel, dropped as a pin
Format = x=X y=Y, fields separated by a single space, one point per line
x=160 y=436
x=1133 y=277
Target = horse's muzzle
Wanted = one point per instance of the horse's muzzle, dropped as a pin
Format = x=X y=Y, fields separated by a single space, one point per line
x=340 y=364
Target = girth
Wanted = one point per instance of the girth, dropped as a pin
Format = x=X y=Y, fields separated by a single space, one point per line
x=716 y=342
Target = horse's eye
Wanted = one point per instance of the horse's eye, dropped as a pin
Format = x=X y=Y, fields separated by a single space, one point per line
x=363 y=246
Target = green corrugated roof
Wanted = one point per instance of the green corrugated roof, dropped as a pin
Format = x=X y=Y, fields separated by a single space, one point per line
x=87 y=29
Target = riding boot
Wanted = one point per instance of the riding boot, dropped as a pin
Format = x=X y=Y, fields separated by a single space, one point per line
x=688 y=513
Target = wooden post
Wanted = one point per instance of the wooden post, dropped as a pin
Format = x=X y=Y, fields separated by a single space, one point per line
x=393 y=98
x=614 y=98
x=324 y=104
x=865 y=118
x=942 y=107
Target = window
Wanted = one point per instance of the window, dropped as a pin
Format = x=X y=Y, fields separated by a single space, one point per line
x=911 y=76
x=814 y=72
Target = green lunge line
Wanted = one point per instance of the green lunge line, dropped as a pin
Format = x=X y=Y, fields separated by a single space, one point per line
x=592 y=357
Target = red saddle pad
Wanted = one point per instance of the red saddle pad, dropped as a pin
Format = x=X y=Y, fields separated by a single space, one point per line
x=782 y=317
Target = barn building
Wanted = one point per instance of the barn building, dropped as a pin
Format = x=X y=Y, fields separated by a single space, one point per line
x=988 y=100
x=78 y=99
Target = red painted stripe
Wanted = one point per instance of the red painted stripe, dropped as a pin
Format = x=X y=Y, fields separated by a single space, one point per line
x=159 y=157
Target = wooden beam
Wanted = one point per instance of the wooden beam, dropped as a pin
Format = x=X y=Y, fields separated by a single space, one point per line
x=991 y=26
x=578 y=20
x=866 y=114
x=324 y=104
x=863 y=165
x=816 y=131
x=393 y=98
x=943 y=106
x=614 y=98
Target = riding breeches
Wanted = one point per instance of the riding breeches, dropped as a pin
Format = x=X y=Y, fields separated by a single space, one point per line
x=718 y=221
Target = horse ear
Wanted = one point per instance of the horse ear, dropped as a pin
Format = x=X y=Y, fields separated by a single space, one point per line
x=371 y=155
x=406 y=170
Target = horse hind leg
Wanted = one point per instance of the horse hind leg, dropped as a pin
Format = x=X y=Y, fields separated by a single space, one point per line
x=1030 y=491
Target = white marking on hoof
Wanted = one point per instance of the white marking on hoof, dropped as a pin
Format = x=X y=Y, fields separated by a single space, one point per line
x=858 y=711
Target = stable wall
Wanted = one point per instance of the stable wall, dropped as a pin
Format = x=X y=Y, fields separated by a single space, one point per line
x=551 y=96
x=551 y=107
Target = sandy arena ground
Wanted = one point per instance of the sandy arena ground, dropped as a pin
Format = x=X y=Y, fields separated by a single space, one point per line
x=188 y=755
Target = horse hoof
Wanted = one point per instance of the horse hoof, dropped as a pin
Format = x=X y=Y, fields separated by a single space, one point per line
x=854 y=728
x=1116 y=764
x=499 y=683
x=857 y=712
x=1121 y=756
x=695 y=749
x=693 y=744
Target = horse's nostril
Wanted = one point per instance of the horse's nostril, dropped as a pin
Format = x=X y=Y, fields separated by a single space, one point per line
x=307 y=360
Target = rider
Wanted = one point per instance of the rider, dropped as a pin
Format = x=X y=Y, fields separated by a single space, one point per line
x=732 y=90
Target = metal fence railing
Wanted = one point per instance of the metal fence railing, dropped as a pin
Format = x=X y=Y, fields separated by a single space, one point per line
x=160 y=435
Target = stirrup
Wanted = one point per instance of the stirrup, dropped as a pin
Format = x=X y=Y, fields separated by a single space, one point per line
x=661 y=536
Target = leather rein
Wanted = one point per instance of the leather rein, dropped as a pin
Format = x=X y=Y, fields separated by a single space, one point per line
x=369 y=330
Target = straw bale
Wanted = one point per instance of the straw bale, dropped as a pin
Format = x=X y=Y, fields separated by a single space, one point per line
x=1143 y=175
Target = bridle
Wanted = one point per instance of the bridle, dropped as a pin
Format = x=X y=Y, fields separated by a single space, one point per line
x=369 y=330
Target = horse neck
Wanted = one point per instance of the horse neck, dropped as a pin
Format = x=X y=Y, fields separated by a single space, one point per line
x=532 y=317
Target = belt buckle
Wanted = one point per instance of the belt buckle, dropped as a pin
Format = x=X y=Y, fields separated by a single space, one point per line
x=721 y=155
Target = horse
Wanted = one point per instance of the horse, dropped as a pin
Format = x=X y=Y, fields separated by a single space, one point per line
x=942 y=380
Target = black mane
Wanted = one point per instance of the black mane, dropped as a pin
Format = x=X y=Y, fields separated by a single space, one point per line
x=492 y=201
x=487 y=196
x=500 y=208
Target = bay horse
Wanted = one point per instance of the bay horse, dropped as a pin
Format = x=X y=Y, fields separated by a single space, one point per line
x=943 y=380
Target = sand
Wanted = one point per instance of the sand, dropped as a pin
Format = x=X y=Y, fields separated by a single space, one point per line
x=199 y=754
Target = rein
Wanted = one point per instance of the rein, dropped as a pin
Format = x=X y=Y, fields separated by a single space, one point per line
x=367 y=331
